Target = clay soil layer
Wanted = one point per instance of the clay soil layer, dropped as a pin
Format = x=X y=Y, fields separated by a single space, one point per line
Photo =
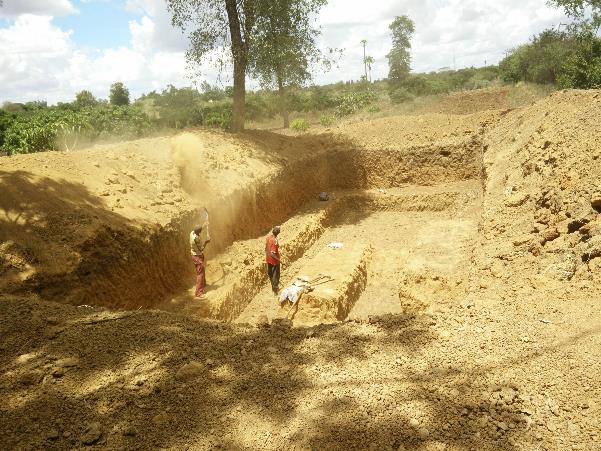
x=462 y=312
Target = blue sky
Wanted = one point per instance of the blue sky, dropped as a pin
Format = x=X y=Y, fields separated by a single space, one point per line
x=99 y=24
x=51 y=49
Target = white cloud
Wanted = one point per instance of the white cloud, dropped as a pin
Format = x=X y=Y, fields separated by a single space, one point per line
x=465 y=31
x=13 y=8
x=41 y=61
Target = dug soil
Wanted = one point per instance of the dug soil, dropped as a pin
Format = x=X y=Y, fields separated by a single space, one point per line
x=461 y=257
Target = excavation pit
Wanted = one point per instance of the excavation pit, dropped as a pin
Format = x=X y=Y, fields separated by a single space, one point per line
x=393 y=240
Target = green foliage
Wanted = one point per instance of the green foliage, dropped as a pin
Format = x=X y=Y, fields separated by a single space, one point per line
x=178 y=108
x=582 y=68
x=119 y=94
x=352 y=102
x=260 y=105
x=569 y=59
x=56 y=128
x=327 y=121
x=299 y=125
x=217 y=114
x=399 y=59
x=84 y=99
x=6 y=120
x=401 y=95
x=586 y=13
x=374 y=109
x=284 y=46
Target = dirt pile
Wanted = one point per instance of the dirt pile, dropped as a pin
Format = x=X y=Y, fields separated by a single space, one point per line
x=473 y=325
x=540 y=224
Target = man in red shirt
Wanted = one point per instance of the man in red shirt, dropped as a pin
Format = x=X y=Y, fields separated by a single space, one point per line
x=272 y=256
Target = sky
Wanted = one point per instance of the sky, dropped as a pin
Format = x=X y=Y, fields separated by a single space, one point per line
x=51 y=49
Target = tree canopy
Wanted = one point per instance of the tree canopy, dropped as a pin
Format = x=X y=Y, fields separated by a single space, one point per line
x=586 y=12
x=219 y=29
x=85 y=99
x=399 y=59
x=284 y=47
x=119 y=94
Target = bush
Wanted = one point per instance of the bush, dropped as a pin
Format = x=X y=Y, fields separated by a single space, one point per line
x=217 y=114
x=401 y=95
x=374 y=109
x=569 y=59
x=57 y=128
x=6 y=120
x=326 y=121
x=299 y=125
x=352 y=102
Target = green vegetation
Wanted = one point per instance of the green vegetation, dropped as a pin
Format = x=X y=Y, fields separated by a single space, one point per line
x=119 y=94
x=327 y=121
x=570 y=59
x=275 y=42
x=61 y=128
x=300 y=125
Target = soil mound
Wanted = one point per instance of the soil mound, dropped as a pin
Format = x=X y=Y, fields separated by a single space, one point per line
x=472 y=273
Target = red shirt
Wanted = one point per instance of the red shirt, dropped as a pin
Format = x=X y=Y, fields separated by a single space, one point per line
x=271 y=245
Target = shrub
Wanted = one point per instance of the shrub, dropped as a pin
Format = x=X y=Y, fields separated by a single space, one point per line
x=217 y=114
x=299 y=125
x=401 y=95
x=326 y=121
x=58 y=128
x=352 y=102
x=374 y=109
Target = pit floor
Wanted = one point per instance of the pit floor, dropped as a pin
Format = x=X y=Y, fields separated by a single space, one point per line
x=419 y=259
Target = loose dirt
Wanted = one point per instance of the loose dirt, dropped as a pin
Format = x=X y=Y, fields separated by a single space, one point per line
x=463 y=311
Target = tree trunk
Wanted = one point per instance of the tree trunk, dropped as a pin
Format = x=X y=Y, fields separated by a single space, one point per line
x=239 y=53
x=283 y=103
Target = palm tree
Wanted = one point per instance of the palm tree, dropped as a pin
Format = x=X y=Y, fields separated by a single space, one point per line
x=364 y=42
x=369 y=60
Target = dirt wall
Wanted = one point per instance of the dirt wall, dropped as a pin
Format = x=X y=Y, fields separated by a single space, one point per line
x=112 y=258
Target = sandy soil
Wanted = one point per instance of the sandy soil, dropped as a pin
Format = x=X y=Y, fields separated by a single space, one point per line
x=463 y=314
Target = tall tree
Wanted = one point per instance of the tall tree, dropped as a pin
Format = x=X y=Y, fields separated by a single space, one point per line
x=85 y=98
x=364 y=44
x=215 y=24
x=587 y=13
x=369 y=61
x=284 y=47
x=119 y=94
x=399 y=59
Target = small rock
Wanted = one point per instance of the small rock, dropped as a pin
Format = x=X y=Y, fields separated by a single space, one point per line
x=189 y=371
x=96 y=164
x=53 y=434
x=58 y=372
x=31 y=377
x=549 y=235
x=413 y=422
x=310 y=333
x=271 y=350
x=209 y=362
x=92 y=434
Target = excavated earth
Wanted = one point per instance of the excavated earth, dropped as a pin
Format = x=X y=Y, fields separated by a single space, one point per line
x=463 y=310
